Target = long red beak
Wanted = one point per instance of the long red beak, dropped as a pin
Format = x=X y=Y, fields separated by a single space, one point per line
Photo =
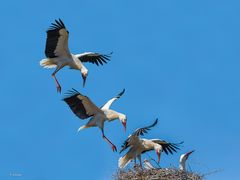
x=84 y=80
x=189 y=153
x=124 y=125
x=158 y=154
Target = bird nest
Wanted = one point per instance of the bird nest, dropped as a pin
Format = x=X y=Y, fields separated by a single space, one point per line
x=156 y=174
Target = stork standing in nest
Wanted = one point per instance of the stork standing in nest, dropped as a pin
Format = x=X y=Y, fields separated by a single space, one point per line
x=183 y=159
x=138 y=146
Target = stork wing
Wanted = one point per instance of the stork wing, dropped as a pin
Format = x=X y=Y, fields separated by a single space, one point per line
x=94 y=58
x=130 y=141
x=57 y=40
x=109 y=103
x=168 y=147
x=141 y=131
x=135 y=136
x=81 y=105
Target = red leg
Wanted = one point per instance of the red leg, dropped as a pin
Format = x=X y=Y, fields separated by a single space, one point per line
x=55 y=79
x=140 y=160
x=106 y=139
x=141 y=164
x=135 y=163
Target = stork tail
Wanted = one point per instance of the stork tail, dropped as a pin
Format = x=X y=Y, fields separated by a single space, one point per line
x=47 y=63
x=123 y=161
x=83 y=127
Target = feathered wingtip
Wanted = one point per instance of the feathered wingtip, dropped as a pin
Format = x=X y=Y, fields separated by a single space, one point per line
x=178 y=145
x=70 y=93
x=104 y=57
x=57 y=25
x=124 y=146
x=155 y=122
x=144 y=130
x=108 y=55
x=121 y=93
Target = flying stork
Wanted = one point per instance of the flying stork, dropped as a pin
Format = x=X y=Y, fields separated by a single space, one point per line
x=183 y=159
x=83 y=107
x=58 y=54
x=138 y=146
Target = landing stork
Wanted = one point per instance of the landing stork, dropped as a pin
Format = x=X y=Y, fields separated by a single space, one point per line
x=84 y=108
x=58 y=54
x=138 y=146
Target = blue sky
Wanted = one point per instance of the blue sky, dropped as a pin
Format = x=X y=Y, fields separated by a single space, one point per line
x=178 y=60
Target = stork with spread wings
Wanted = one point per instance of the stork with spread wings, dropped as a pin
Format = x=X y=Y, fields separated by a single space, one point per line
x=58 y=53
x=138 y=146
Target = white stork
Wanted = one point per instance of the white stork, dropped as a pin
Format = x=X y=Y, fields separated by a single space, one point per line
x=139 y=146
x=147 y=164
x=58 y=54
x=84 y=108
x=183 y=159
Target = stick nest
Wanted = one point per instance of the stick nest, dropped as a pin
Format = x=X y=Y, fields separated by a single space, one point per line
x=154 y=174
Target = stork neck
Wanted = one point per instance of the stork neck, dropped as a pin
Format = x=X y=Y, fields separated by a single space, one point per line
x=83 y=68
x=182 y=162
x=182 y=166
x=78 y=63
x=120 y=114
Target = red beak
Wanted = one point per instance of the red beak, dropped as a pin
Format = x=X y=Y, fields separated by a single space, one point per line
x=84 y=80
x=189 y=153
x=158 y=154
x=124 y=125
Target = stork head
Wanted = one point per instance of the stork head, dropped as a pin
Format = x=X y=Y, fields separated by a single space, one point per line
x=188 y=153
x=123 y=119
x=184 y=157
x=158 y=149
x=84 y=75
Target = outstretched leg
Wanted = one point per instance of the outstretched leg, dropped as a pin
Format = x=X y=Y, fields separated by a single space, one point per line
x=55 y=79
x=106 y=139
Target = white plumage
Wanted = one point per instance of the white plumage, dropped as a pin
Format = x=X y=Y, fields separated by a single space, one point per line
x=58 y=54
x=138 y=146
x=84 y=108
x=183 y=159
x=147 y=164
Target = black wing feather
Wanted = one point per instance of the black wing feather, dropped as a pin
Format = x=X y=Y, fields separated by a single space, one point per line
x=95 y=58
x=142 y=131
x=138 y=132
x=168 y=148
x=124 y=146
x=102 y=59
x=52 y=38
x=117 y=96
x=76 y=104
x=121 y=93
